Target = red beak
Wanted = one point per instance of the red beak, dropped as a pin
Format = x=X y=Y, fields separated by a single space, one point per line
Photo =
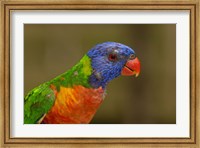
x=132 y=67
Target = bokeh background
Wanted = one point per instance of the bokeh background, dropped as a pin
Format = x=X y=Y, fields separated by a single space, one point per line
x=51 y=49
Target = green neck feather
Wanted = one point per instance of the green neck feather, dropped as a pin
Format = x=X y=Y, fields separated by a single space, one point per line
x=77 y=75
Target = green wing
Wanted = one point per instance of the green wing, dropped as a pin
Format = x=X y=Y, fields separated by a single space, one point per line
x=37 y=103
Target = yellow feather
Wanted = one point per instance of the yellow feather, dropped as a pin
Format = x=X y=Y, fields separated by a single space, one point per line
x=86 y=65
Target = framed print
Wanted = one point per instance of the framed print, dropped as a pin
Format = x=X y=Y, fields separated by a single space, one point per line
x=99 y=73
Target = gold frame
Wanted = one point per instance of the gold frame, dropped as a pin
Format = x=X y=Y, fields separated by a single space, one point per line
x=10 y=5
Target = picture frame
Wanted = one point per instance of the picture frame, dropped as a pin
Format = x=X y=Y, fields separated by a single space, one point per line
x=12 y=5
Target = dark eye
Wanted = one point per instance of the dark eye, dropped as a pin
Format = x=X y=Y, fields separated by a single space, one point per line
x=113 y=56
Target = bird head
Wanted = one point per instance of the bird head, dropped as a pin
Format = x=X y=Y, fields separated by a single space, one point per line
x=110 y=60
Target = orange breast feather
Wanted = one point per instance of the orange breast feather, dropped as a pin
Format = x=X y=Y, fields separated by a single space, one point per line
x=74 y=105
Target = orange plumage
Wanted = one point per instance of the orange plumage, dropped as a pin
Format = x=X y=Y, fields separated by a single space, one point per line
x=74 y=105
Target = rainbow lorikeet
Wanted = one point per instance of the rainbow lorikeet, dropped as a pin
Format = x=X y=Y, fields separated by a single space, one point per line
x=74 y=96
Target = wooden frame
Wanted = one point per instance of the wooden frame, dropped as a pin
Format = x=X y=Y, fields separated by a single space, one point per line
x=10 y=5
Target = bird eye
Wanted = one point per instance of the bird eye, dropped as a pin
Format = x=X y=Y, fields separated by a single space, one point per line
x=113 y=56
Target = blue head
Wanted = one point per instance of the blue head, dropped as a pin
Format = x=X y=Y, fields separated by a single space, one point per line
x=109 y=60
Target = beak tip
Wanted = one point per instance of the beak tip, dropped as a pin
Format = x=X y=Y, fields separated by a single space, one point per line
x=132 y=67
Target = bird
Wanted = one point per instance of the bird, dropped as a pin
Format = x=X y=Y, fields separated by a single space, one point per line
x=75 y=96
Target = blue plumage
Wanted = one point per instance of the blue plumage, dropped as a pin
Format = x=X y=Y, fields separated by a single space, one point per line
x=107 y=60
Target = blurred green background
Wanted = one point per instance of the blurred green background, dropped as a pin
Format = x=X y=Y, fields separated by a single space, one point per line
x=51 y=49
